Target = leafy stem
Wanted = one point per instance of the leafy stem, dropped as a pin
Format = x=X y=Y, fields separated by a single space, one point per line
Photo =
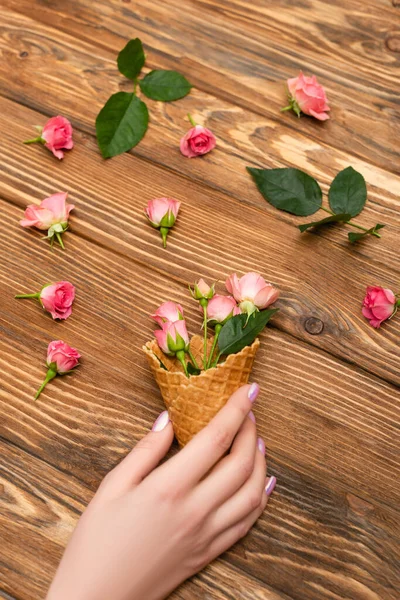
x=49 y=376
x=352 y=224
x=192 y=121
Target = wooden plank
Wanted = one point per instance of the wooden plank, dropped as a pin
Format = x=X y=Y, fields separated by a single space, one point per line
x=247 y=64
x=110 y=212
x=315 y=409
x=310 y=543
x=244 y=138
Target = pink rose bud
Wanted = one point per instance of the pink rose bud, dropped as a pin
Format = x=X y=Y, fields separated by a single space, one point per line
x=56 y=298
x=307 y=96
x=61 y=359
x=251 y=291
x=51 y=214
x=379 y=305
x=173 y=337
x=168 y=312
x=162 y=213
x=56 y=135
x=221 y=308
x=202 y=291
x=197 y=141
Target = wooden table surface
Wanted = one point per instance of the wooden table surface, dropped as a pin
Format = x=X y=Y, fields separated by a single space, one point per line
x=329 y=410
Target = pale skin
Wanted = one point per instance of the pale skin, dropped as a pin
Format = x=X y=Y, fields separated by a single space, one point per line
x=149 y=526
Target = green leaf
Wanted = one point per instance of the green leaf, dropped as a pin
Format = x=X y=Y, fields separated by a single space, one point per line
x=289 y=189
x=355 y=237
x=332 y=219
x=192 y=369
x=131 y=59
x=121 y=124
x=348 y=192
x=236 y=335
x=165 y=85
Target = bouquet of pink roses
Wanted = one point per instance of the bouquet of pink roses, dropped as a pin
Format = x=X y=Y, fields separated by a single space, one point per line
x=197 y=376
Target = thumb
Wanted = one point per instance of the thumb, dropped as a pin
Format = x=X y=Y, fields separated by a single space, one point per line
x=147 y=453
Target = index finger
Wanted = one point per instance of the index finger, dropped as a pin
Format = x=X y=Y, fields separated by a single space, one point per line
x=212 y=442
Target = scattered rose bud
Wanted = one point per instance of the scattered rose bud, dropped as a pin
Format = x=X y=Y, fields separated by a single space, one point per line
x=162 y=213
x=56 y=135
x=51 y=214
x=197 y=141
x=307 y=96
x=173 y=340
x=168 y=312
x=379 y=305
x=61 y=359
x=251 y=291
x=221 y=308
x=56 y=298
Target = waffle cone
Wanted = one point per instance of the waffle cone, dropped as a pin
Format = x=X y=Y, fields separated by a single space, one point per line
x=192 y=402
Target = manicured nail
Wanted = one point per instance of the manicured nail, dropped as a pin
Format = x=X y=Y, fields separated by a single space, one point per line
x=253 y=392
x=269 y=488
x=252 y=417
x=261 y=445
x=161 y=422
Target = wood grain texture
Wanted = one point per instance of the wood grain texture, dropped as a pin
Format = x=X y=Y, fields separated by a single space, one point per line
x=329 y=411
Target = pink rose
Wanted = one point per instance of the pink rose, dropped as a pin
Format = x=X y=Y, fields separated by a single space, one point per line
x=55 y=135
x=173 y=337
x=197 y=141
x=379 y=304
x=202 y=291
x=168 y=312
x=57 y=299
x=307 y=96
x=221 y=308
x=251 y=291
x=51 y=214
x=62 y=357
x=162 y=213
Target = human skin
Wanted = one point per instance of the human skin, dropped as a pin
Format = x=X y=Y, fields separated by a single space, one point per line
x=149 y=526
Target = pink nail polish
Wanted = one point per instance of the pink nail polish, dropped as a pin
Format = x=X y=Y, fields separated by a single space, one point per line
x=161 y=422
x=253 y=392
x=252 y=417
x=261 y=445
x=269 y=488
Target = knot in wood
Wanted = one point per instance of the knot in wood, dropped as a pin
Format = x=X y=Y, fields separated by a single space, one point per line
x=23 y=54
x=314 y=326
x=392 y=41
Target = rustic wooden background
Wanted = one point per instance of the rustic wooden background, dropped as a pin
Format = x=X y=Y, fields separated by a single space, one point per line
x=329 y=411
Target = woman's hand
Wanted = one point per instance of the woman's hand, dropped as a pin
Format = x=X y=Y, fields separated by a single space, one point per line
x=150 y=527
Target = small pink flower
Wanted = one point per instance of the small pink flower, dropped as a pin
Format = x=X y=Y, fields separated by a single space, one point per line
x=173 y=337
x=56 y=135
x=197 y=141
x=202 y=291
x=221 y=308
x=51 y=214
x=57 y=299
x=168 y=312
x=379 y=305
x=251 y=291
x=61 y=359
x=307 y=96
x=162 y=213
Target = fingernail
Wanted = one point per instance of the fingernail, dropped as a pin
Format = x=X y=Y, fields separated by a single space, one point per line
x=253 y=392
x=261 y=445
x=252 y=417
x=161 y=422
x=269 y=488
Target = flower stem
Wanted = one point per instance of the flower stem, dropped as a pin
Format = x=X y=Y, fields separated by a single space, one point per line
x=218 y=328
x=214 y=364
x=35 y=140
x=353 y=224
x=18 y=296
x=205 y=335
x=181 y=357
x=59 y=239
x=192 y=358
x=164 y=232
x=193 y=123
x=49 y=376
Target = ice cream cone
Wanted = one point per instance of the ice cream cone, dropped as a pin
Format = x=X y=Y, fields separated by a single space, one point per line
x=192 y=402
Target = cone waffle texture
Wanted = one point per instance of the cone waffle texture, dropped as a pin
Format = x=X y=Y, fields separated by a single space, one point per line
x=192 y=402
